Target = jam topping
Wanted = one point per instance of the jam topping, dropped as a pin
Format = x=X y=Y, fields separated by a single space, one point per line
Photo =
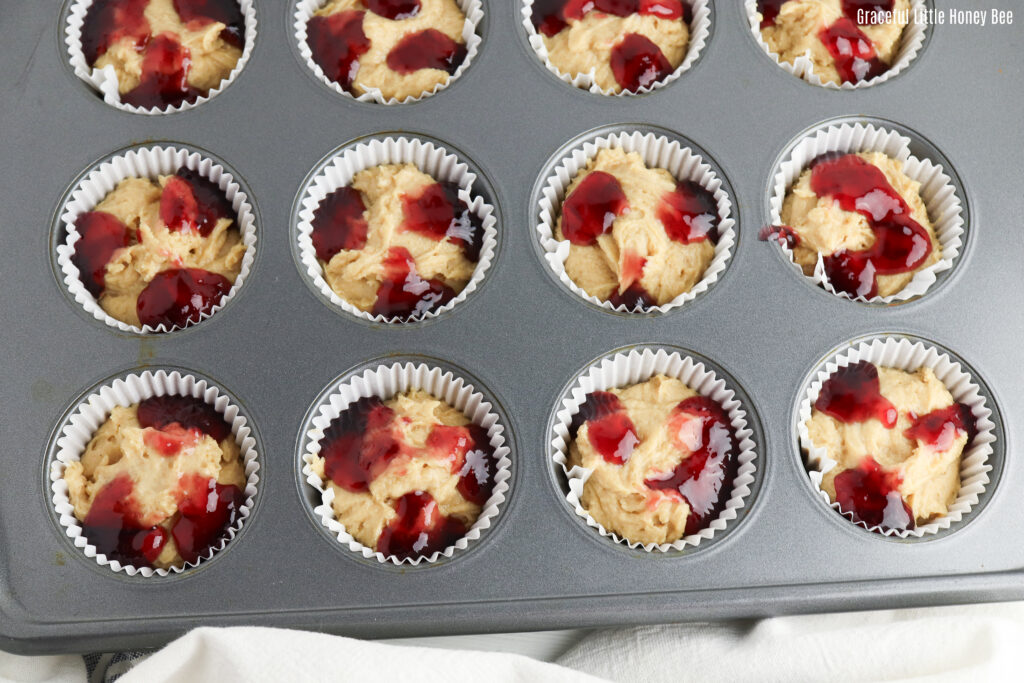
x=394 y=9
x=591 y=208
x=941 y=427
x=359 y=444
x=872 y=496
x=109 y=21
x=186 y=412
x=551 y=16
x=901 y=243
x=852 y=394
x=437 y=212
x=199 y=13
x=700 y=427
x=208 y=511
x=471 y=456
x=101 y=234
x=403 y=293
x=164 y=80
x=428 y=49
x=337 y=42
x=339 y=223
x=783 y=234
x=852 y=52
x=419 y=528
x=180 y=296
x=190 y=201
x=171 y=439
x=769 y=10
x=609 y=429
x=637 y=63
x=112 y=525
x=633 y=297
x=689 y=214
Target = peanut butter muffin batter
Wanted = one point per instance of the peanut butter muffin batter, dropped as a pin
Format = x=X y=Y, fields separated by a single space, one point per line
x=410 y=475
x=848 y=41
x=628 y=44
x=638 y=237
x=160 y=483
x=403 y=48
x=164 y=52
x=662 y=459
x=396 y=242
x=897 y=439
x=864 y=218
x=160 y=252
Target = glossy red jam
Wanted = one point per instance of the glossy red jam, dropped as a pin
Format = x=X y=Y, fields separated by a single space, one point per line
x=112 y=525
x=428 y=49
x=164 y=81
x=437 y=212
x=871 y=495
x=471 y=456
x=208 y=510
x=852 y=394
x=161 y=412
x=101 y=234
x=609 y=429
x=637 y=63
x=700 y=428
x=191 y=202
x=403 y=293
x=689 y=214
x=551 y=16
x=591 y=208
x=339 y=223
x=901 y=243
x=337 y=42
x=359 y=444
x=172 y=439
x=940 y=428
x=852 y=51
x=199 y=13
x=180 y=296
x=394 y=9
x=109 y=21
x=769 y=10
x=419 y=528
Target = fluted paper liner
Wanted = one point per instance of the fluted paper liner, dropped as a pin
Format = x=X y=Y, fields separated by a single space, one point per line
x=105 y=80
x=384 y=382
x=903 y=354
x=802 y=67
x=436 y=162
x=657 y=151
x=700 y=31
x=626 y=369
x=944 y=206
x=148 y=162
x=472 y=9
x=127 y=390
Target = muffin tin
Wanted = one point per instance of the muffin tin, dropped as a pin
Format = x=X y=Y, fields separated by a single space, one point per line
x=522 y=335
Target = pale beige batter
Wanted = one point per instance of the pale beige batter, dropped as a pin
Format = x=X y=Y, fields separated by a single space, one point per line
x=136 y=203
x=355 y=275
x=615 y=495
x=931 y=479
x=120 y=447
x=824 y=228
x=587 y=43
x=671 y=267
x=383 y=34
x=799 y=22
x=212 y=58
x=366 y=514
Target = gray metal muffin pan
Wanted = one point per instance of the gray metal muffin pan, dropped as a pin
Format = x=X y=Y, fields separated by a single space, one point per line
x=277 y=345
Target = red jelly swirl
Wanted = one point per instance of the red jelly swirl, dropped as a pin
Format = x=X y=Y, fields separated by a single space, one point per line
x=337 y=41
x=871 y=495
x=852 y=51
x=437 y=212
x=592 y=207
x=941 y=427
x=100 y=235
x=427 y=49
x=419 y=528
x=192 y=202
x=609 y=429
x=403 y=293
x=180 y=296
x=360 y=443
x=689 y=214
x=637 y=63
x=551 y=16
x=852 y=394
x=339 y=223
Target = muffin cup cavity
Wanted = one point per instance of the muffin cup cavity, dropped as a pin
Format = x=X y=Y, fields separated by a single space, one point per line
x=632 y=367
x=700 y=32
x=657 y=151
x=472 y=9
x=911 y=41
x=94 y=409
x=147 y=162
x=338 y=170
x=904 y=354
x=943 y=203
x=105 y=81
x=385 y=381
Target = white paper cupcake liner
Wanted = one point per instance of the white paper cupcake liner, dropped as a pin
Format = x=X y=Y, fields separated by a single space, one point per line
x=148 y=162
x=105 y=80
x=629 y=368
x=433 y=160
x=904 y=354
x=93 y=411
x=944 y=206
x=657 y=151
x=472 y=9
x=700 y=31
x=384 y=382
x=802 y=67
